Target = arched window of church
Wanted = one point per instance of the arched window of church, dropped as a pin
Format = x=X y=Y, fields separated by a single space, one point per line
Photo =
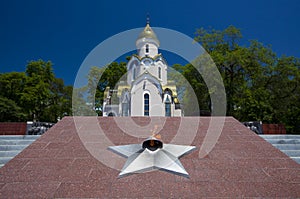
x=159 y=72
x=134 y=73
x=125 y=109
x=125 y=103
x=147 y=48
x=168 y=107
x=146 y=104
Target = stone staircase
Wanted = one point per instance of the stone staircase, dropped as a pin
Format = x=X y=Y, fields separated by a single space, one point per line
x=288 y=144
x=12 y=145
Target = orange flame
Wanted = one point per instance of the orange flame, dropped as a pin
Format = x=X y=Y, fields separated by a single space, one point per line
x=154 y=132
x=158 y=136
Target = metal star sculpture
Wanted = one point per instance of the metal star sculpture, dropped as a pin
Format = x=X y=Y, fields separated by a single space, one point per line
x=152 y=154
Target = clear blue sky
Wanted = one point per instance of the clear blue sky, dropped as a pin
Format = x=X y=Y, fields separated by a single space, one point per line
x=65 y=31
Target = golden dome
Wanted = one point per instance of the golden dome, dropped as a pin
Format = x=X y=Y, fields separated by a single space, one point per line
x=176 y=101
x=148 y=33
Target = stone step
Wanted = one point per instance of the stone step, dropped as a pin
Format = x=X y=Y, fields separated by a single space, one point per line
x=292 y=153
x=297 y=159
x=11 y=137
x=280 y=136
x=287 y=146
x=283 y=141
x=9 y=153
x=4 y=160
x=19 y=137
x=16 y=142
x=12 y=147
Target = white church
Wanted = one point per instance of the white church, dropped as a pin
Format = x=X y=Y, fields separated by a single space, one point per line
x=146 y=90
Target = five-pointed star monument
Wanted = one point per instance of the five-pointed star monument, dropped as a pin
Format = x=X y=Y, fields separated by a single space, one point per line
x=152 y=154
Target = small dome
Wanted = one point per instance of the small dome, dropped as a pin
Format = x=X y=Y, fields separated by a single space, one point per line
x=149 y=34
x=176 y=101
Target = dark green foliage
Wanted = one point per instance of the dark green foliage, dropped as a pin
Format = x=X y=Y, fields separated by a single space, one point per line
x=259 y=85
x=100 y=78
x=10 y=111
x=34 y=95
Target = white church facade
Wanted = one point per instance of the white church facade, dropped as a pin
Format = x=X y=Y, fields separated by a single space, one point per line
x=146 y=90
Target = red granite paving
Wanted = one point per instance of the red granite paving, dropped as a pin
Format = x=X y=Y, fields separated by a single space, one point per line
x=58 y=164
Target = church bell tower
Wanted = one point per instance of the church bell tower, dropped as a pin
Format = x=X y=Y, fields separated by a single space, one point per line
x=147 y=91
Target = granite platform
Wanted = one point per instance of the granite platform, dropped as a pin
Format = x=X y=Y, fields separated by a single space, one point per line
x=71 y=161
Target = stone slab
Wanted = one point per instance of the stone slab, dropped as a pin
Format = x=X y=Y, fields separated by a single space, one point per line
x=61 y=165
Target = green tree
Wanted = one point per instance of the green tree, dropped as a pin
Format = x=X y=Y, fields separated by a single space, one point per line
x=259 y=85
x=59 y=104
x=11 y=89
x=253 y=99
x=99 y=79
x=95 y=89
x=37 y=91
x=10 y=111
x=198 y=87
x=80 y=106
x=36 y=94
x=12 y=85
x=285 y=92
x=228 y=56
